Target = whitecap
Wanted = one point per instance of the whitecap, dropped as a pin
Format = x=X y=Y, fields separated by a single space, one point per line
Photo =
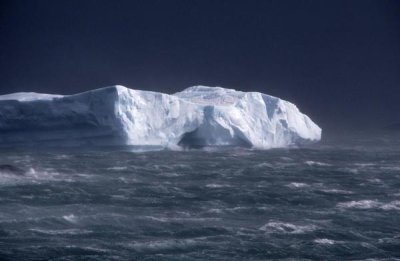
x=118 y=168
x=120 y=197
x=163 y=244
x=171 y=174
x=72 y=231
x=194 y=219
x=317 y=163
x=31 y=171
x=360 y=204
x=215 y=210
x=394 y=205
x=263 y=165
x=32 y=176
x=237 y=209
x=70 y=218
x=9 y=179
x=287 y=228
x=297 y=185
x=391 y=168
x=324 y=241
x=89 y=248
x=122 y=179
x=158 y=219
x=337 y=191
x=180 y=219
x=363 y=165
x=369 y=204
x=212 y=185
x=375 y=180
x=62 y=156
x=48 y=174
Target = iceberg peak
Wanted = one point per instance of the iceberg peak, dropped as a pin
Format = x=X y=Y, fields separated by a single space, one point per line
x=203 y=88
x=195 y=117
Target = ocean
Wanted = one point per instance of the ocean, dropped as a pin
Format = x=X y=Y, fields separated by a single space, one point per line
x=336 y=200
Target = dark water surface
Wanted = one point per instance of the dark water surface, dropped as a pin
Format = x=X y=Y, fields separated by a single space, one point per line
x=339 y=200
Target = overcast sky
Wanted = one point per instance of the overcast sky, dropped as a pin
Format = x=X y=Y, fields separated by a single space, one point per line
x=339 y=61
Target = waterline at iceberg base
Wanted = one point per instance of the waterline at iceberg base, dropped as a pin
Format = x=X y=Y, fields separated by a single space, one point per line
x=197 y=117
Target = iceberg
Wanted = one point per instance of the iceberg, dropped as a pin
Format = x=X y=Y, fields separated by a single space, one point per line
x=196 y=117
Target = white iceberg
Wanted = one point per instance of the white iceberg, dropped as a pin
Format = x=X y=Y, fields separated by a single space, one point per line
x=196 y=117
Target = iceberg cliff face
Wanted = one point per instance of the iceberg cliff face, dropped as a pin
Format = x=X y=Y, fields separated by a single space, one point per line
x=196 y=117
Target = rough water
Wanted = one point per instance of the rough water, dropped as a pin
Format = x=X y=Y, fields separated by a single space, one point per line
x=339 y=200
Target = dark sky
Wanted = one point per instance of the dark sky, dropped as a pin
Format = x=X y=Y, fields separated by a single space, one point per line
x=339 y=61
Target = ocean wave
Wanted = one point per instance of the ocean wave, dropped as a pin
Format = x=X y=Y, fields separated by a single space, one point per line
x=363 y=165
x=33 y=175
x=91 y=249
x=215 y=210
x=360 y=204
x=182 y=166
x=297 y=185
x=163 y=245
x=118 y=168
x=338 y=191
x=263 y=165
x=119 y=197
x=213 y=185
x=377 y=181
x=316 y=163
x=171 y=174
x=180 y=219
x=70 y=218
x=391 y=168
x=351 y=170
x=280 y=208
x=62 y=157
x=287 y=228
x=324 y=241
x=72 y=231
x=370 y=204
x=394 y=205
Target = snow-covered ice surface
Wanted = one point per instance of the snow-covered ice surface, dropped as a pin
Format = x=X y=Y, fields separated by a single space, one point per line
x=198 y=116
x=28 y=96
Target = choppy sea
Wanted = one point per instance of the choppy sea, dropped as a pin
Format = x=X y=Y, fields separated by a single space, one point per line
x=337 y=200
